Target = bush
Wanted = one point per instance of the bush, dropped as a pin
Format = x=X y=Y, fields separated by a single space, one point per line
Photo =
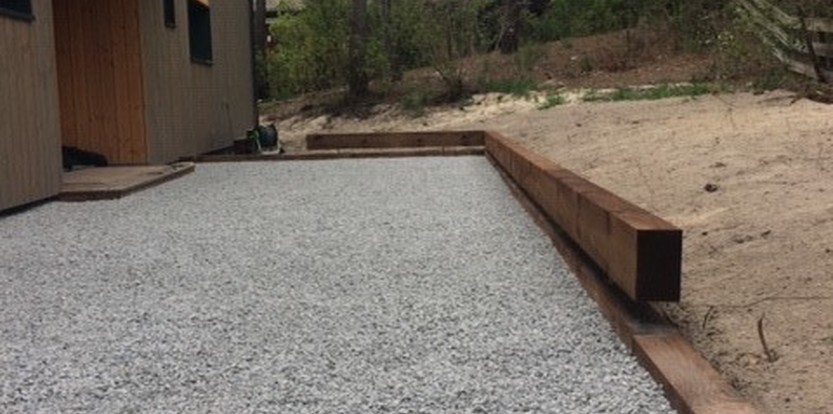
x=414 y=104
x=552 y=101
x=312 y=44
x=311 y=51
x=520 y=87
x=648 y=94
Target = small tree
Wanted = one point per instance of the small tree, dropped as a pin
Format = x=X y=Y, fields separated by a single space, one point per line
x=357 y=79
x=511 y=22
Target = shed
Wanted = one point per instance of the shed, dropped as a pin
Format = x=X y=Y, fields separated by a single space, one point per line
x=139 y=81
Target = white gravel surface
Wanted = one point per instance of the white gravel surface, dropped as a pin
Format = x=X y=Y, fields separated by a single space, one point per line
x=351 y=286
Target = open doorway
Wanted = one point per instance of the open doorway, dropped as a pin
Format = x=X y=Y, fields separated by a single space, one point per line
x=99 y=61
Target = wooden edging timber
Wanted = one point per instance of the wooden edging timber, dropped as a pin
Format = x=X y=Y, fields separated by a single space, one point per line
x=334 y=154
x=395 y=140
x=691 y=384
x=640 y=252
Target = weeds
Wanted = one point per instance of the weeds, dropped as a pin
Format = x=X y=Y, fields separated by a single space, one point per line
x=520 y=87
x=653 y=93
x=414 y=104
x=586 y=65
x=552 y=101
x=771 y=80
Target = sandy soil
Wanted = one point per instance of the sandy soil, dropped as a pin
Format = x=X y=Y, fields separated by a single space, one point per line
x=761 y=246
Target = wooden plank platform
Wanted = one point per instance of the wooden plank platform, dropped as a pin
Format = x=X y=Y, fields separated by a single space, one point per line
x=345 y=153
x=640 y=252
x=692 y=385
x=107 y=183
x=395 y=140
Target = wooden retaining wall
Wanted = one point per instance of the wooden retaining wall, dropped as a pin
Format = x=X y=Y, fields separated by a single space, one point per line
x=395 y=140
x=691 y=384
x=640 y=252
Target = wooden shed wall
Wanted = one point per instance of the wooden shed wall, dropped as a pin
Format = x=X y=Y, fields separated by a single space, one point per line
x=100 y=77
x=30 y=151
x=193 y=108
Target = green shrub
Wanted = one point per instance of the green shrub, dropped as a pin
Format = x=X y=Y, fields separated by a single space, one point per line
x=311 y=51
x=651 y=93
x=414 y=104
x=552 y=101
x=520 y=87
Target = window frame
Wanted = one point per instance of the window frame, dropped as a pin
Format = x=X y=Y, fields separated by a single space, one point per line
x=200 y=43
x=169 y=13
x=26 y=16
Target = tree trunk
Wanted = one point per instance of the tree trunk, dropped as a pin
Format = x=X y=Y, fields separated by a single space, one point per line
x=259 y=39
x=510 y=38
x=391 y=41
x=357 y=81
x=260 y=30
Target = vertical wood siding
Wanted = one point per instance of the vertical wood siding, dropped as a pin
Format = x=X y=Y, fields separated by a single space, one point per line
x=99 y=75
x=192 y=108
x=30 y=155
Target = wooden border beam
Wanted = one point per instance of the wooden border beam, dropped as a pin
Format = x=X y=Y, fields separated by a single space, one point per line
x=640 y=252
x=335 y=154
x=395 y=140
x=691 y=384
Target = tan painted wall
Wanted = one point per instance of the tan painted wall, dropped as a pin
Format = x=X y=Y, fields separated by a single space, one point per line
x=30 y=151
x=192 y=108
x=100 y=78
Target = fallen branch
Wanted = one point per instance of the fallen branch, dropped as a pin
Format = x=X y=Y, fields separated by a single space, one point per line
x=770 y=356
x=708 y=316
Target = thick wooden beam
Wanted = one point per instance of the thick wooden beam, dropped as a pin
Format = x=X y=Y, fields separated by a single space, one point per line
x=640 y=253
x=395 y=140
x=689 y=380
x=691 y=384
x=341 y=154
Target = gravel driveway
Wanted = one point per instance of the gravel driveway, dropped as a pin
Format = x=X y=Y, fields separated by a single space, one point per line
x=350 y=286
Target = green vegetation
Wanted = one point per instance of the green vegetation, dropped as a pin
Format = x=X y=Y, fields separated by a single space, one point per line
x=816 y=8
x=315 y=45
x=311 y=49
x=414 y=104
x=651 y=93
x=520 y=87
x=769 y=81
x=552 y=101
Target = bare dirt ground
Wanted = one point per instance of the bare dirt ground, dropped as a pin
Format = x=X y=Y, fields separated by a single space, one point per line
x=760 y=246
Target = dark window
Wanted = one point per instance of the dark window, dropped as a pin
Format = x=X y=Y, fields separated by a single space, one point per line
x=18 y=9
x=199 y=31
x=170 y=13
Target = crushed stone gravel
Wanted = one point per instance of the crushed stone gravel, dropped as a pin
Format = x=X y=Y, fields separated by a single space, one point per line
x=348 y=286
